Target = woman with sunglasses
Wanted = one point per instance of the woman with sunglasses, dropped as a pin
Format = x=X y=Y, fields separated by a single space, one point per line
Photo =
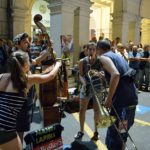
x=85 y=64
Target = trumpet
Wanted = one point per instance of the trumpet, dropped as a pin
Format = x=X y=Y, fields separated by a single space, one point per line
x=98 y=85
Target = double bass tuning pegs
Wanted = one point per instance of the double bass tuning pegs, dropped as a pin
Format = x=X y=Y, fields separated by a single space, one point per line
x=37 y=17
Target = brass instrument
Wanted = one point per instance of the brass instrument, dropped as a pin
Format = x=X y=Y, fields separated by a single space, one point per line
x=98 y=85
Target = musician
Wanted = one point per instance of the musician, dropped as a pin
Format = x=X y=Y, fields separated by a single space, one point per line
x=122 y=94
x=21 y=42
x=14 y=86
x=24 y=119
x=89 y=62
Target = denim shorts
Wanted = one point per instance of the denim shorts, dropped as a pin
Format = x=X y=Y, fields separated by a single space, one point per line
x=6 y=136
x=86 y=92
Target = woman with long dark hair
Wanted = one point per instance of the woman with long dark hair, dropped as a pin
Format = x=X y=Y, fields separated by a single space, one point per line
x=13 y=94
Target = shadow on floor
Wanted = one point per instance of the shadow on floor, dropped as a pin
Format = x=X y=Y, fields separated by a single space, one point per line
x=82 y=145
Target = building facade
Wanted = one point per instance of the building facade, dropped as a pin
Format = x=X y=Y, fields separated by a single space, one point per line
x=127 y=19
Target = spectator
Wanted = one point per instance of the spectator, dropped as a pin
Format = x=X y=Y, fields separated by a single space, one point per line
x=134 y=62
x=89 y=62
x=25 y=116
x=145 y=68
x=122 y=51
x=84 y=52
x=3 y=56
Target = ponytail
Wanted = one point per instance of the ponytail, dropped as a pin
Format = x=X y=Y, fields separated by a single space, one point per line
x=18 y=76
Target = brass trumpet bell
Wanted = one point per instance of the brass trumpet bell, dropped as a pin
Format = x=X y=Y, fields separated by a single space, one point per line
x=98 y=84
x=105 y=121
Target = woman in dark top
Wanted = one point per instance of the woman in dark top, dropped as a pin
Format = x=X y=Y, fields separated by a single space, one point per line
x=86 y=94
x=13 y=92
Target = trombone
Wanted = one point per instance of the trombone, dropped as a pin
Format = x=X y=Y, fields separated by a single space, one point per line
x=100 y=92
x=99 y=87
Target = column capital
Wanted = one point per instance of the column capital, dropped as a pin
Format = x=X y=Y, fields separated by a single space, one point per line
x=59 y=6
x=19 y=13
x=55 y=6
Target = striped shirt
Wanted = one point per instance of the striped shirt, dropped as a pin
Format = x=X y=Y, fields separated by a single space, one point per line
x=10 y=105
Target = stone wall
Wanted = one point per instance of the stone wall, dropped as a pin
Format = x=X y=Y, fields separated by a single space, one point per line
x=3 y=19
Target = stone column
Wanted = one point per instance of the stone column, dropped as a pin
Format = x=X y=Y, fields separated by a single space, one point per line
x=126 y=20
x=125 y=29
x=21 y=21
x=3 y=19
x=120 y=27
x=81 y=29
x=69 y=18
x=61 y=23
x=145 y=38
x=137 y=37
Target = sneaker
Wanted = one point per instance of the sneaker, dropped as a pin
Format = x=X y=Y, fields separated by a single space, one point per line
x=95 y=136
x=79 y=135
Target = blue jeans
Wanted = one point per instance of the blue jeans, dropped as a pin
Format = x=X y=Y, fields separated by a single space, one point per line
x=144 y=73
x=113 y=139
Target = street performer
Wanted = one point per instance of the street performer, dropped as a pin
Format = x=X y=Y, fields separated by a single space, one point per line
x=85 y=64
x=21 y=42
x=122 y=95
x=14 y=87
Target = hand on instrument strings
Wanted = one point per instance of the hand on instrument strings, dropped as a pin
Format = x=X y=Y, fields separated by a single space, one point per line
x=101 y=73
x=96 y=73
x=49 y=49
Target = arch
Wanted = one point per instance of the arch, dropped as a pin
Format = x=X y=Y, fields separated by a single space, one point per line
x=40 y=7
x=25 y=4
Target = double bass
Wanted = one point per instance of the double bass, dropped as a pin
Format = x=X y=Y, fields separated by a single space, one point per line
x=48 y=92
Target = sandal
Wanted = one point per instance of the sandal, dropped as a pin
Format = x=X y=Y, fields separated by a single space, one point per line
x=95 y=136
x=79 y=135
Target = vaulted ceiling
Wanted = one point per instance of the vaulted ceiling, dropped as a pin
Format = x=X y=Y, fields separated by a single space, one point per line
x=144 y=5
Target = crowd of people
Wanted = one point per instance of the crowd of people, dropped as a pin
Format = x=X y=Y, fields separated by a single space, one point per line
x=137 y=56
x=17 y=79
